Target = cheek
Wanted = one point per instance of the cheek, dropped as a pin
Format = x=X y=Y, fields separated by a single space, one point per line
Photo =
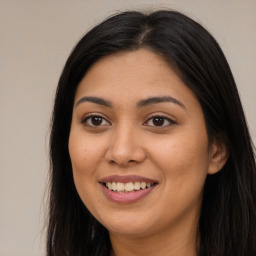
x=85 y=158
x=85 y=153
x=183 y=159
x=184 y=165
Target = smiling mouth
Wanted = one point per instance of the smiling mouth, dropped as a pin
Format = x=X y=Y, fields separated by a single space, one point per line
x=128 y=187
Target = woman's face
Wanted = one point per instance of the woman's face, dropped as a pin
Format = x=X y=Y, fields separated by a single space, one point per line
x=138 y=146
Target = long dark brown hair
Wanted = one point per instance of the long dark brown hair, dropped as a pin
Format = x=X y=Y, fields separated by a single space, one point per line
x=228 y=218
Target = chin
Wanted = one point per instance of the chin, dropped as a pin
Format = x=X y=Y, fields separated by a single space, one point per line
x=127 y=226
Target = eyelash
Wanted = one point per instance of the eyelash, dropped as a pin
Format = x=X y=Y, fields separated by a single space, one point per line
x=164 y=118
x=85 y=120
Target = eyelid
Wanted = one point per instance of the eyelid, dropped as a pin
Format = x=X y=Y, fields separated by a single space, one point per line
x=169 y=119
x=90 y=115
x=86 y=117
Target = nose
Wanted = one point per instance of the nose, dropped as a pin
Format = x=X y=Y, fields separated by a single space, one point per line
x=125 y=148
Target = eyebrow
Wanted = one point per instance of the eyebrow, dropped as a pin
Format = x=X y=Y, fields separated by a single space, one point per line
x=140 y=104
x=155 y=100
x=96 y=100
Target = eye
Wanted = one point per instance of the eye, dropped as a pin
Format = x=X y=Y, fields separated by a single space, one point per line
x=95 y=121
x=159 y=121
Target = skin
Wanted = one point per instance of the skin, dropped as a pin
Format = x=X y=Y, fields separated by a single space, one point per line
x=176 y=154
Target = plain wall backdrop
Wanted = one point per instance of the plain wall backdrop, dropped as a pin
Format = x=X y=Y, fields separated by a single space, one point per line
x=36 y=38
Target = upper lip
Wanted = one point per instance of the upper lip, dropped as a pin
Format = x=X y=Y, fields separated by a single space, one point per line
x=126 y=179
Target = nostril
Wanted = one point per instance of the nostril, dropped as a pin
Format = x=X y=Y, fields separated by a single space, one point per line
x=112 y=162
x=124 y=156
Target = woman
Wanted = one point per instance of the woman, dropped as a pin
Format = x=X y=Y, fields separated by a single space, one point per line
x=150 y=151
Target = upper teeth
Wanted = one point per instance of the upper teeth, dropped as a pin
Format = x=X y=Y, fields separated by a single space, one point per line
x=127 y=187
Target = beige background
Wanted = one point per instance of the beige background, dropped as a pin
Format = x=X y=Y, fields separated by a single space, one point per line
x=36 y=38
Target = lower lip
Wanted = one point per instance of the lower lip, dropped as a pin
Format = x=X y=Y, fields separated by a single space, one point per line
x=129 y=197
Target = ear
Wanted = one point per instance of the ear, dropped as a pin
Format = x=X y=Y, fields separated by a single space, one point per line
x=218 y=155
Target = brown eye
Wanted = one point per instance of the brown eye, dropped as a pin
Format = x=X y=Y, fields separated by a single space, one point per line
x=95 y=121
x=159 y=121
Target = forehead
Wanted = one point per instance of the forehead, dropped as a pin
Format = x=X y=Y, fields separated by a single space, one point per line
x=135 y=75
